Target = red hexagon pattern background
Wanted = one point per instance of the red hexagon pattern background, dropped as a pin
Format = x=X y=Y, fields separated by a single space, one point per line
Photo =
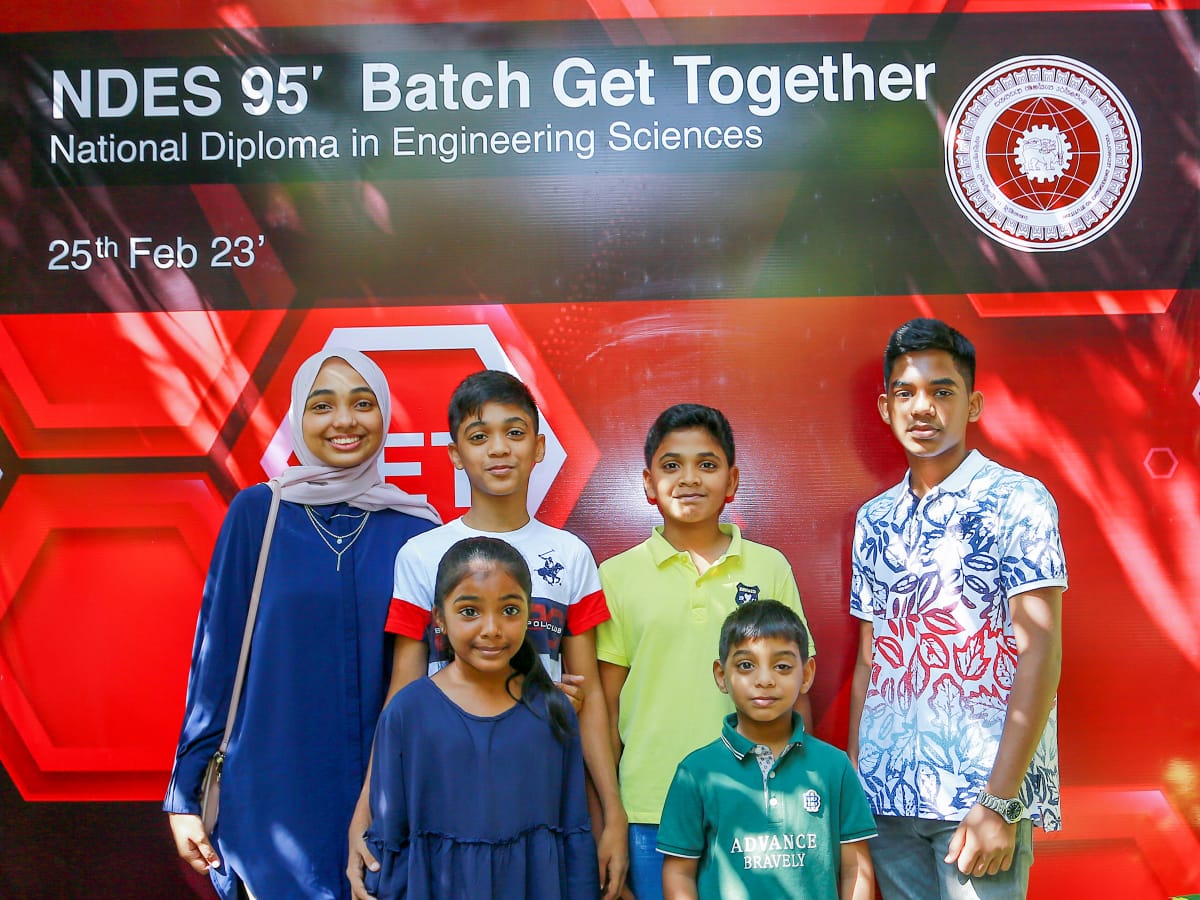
x=123 y=433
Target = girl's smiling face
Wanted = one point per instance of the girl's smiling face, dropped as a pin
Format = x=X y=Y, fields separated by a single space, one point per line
x=342 y=423
x=484 y=617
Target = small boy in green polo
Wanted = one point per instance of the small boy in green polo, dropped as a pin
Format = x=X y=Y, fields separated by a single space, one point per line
x=766 y=810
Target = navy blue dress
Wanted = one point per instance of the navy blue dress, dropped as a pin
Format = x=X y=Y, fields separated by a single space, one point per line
x=471 y=806
x=318 y=674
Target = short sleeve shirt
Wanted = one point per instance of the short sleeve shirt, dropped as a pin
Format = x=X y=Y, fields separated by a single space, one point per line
x=566 y=587
x=665 y=627
x=758 y=834
x=934 y=576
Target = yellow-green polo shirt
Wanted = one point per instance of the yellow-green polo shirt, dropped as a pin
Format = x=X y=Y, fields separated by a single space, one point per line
x=665 y=627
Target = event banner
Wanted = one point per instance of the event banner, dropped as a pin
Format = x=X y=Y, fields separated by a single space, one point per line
x=626 y=209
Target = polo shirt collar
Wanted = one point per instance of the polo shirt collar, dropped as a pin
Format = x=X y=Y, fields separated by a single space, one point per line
x=661 y=549
x=740 y=746
x=954 y=483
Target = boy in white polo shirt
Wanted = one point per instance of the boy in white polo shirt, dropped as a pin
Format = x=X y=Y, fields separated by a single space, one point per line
x=494 y=439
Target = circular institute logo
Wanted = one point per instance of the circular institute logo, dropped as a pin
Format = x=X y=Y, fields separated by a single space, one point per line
x=1043 y=153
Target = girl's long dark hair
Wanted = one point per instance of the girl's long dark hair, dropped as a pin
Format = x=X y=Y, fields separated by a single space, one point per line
x=525 y=662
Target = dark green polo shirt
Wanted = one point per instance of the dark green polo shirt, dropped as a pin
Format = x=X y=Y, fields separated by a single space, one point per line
x=760 y=835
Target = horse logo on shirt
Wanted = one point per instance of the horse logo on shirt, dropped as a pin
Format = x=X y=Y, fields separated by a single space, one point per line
x=549 y=572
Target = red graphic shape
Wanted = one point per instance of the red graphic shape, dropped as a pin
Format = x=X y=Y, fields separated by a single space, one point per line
x=125 y=384
x=1073 y=303
x=1148 y=850
x=243 y=18
x=90 y=616
x=426 y=352
x=1161 y=462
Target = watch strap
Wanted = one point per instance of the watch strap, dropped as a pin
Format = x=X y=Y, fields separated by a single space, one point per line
x=1010 y=809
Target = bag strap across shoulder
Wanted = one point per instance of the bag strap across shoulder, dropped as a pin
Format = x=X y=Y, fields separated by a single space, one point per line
x=255 y=593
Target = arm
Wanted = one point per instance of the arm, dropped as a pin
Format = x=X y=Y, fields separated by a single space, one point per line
x=218 y=642
x=859 y=682
x=679 y=878
x=984 y=842
x=410 y=660
x=612 y=680
x=857 y=880
x=579 y=652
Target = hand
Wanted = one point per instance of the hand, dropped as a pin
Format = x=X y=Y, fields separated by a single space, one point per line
x=983 y=844
x=613 y=850
x=360 y=855
x=192 y=843
x=571 y=685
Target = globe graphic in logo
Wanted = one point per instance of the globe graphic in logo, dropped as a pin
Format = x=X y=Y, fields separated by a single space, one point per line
x=1043 y=153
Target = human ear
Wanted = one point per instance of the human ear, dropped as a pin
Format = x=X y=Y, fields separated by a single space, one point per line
x=883 y=409
x=734 y=480
x=975 y=406
x=648 y=484
x=455 y=457
x=810 y=672
x=719 y=676
x=540 y=453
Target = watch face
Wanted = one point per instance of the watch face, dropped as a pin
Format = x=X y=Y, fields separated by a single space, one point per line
x=1013 y=810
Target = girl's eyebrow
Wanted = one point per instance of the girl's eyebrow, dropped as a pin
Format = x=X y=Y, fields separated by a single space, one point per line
x=474 y=598
x=321 y=392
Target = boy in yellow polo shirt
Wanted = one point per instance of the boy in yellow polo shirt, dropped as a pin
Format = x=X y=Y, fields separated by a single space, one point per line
x=668 y=597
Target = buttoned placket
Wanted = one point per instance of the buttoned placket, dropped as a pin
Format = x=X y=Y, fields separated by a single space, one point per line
x=767 y=765
x=698 y=606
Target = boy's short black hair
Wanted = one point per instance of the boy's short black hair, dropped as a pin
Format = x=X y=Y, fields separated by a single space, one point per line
x=757 y=619
x=682 y=416
x=489 y=386
x=930 y=334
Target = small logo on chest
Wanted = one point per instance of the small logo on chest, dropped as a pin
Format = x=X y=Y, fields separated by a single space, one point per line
x=550 y=569
x=745 y=593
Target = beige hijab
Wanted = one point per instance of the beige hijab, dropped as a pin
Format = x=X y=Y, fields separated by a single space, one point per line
x=314 y=484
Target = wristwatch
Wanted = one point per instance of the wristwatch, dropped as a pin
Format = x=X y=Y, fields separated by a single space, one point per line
x=1009 y=810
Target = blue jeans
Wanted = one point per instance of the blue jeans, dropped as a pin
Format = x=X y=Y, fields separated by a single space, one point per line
x=909 y=854
x=645 y=863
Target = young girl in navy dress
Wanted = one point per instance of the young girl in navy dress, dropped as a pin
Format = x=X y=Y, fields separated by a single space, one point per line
x=477 y=784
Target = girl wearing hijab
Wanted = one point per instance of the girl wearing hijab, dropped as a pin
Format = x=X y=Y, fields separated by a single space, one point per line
x=318 y=667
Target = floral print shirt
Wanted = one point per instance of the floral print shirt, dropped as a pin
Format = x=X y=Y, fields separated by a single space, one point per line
x=934 y=576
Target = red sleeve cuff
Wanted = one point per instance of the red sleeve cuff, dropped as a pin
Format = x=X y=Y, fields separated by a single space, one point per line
x=589 y=612
x=407 y=620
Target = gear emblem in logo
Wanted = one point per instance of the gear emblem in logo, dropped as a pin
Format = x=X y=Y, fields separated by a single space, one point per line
x=1043 y=153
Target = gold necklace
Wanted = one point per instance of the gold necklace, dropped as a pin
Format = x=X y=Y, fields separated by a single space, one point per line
x=340 y=539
